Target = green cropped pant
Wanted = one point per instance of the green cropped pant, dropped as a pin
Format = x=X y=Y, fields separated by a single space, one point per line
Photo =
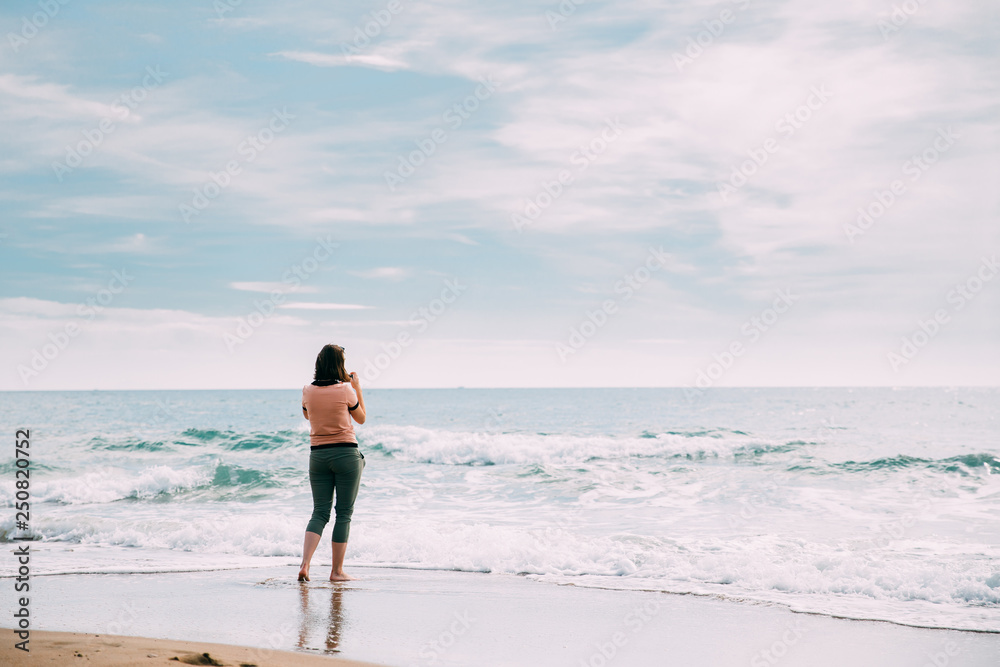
x=335 y=469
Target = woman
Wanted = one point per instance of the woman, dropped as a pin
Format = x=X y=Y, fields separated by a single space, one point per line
x=335 y=463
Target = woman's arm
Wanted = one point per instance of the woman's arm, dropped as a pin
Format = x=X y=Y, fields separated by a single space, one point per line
x=358 y=413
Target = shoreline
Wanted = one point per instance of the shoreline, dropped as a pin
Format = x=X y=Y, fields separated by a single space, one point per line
x=720 y=597
x=745 y=600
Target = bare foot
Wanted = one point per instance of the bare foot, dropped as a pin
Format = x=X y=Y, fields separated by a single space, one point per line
x=304 y=574
x=341 y=576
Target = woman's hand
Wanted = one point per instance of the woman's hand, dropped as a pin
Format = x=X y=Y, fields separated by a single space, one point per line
x=358 y=413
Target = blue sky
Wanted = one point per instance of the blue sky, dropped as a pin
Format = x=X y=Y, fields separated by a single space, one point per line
x=115 y=116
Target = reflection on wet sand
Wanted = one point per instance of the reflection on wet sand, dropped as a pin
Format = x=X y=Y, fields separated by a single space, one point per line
x=312 y=605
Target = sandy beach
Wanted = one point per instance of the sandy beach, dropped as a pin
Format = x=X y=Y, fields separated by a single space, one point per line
x=407 y=618
x=64 y=648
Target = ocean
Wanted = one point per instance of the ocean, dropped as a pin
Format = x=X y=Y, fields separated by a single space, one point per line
x=872 y=503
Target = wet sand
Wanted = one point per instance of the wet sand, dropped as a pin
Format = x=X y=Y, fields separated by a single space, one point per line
x=412 y=618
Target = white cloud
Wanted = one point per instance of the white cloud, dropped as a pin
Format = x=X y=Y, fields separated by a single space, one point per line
x=303 y=305
x=240 y=22
x=383 y=273
x=18 y=306
x=272 y=287
x=372 y=60
x=53 y=101
x=134 y=244
x=367 y=323
x=335 y=214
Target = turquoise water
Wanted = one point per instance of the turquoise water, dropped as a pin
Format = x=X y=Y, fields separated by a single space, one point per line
x=867 y=503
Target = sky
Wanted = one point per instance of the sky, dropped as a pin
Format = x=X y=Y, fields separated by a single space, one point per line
x=201 y=194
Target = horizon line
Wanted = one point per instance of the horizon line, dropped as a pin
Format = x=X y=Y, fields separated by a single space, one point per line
x=680 y=387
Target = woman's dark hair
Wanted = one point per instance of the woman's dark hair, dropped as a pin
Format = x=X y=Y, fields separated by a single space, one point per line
x=330 y=364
